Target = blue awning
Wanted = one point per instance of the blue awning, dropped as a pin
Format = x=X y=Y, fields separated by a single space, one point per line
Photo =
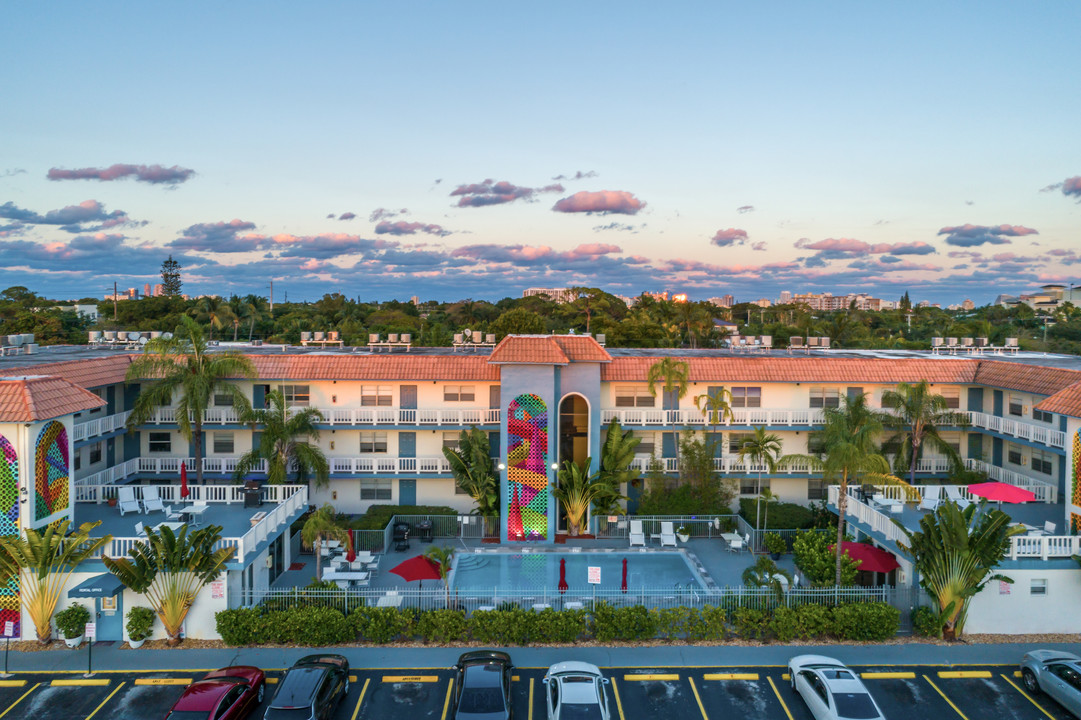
x=107 y=585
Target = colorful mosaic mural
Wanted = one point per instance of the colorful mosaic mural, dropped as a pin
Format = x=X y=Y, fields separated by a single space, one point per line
x=527 y=468
x=1076 y=472
x=9 y=525
x=51 y=474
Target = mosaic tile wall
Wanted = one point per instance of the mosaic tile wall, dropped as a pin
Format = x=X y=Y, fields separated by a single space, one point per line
x=51 y=471
x=1075 y=519
x=527 y=468
x=9 y=525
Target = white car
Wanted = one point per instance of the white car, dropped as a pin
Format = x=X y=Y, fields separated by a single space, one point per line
x=575 y=691
x=831 y=690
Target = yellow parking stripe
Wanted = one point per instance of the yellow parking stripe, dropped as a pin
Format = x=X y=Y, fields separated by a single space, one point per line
x=959 y=674
x=619 y=703
x=360 y=700
x=786 y=677
x=515 y=678
x=698 y=698
x=99 y=707
x=163 y=681
x=272 y=681
x=956 y=709
x=653 y=677
x=446 y=703
x=888 y=675
x=410 y=678
x=779 y=698
x=12 y=683
x=1028 y=697
x=81 y=682
x=730 y=676
x=36 y=686
x=530 y=698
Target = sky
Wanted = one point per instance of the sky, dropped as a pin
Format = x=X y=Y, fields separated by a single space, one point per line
x=472 y=150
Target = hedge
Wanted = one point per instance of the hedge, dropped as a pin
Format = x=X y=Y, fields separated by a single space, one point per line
x=780 y=516
x=378 y=516
x=515 y=626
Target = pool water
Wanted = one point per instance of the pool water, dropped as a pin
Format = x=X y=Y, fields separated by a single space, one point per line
x=537 y=571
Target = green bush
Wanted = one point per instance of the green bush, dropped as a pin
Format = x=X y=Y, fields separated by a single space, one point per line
x=317 y=593
x=866 y=621
x=378 y=517
x=382 y=625
x=140 y=622
x=239 y=626
x=442 y=626
x=925 y=622
x=817 y=561
x=813 y=621
x=750 y=623
x=560 y=626
x=781 y=515
x=784 y=624
x=71 y=621
x=625 y=623
x=682 y=500
x=774 y=543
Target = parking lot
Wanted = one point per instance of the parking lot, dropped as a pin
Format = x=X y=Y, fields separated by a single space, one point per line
x=637 y=693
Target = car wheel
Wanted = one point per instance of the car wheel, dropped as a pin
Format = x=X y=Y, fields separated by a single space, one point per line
x=261 y=693
x=1029 y=680
x=791 y=680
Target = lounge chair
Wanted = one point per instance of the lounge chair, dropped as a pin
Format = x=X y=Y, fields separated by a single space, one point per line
x=637 y=536
x=735 y=545
x=126 y=501
x=932 y=496
x=152 y=499
x=954 y=494
x=1049 y=528
x=140 y=529
x=668 y=534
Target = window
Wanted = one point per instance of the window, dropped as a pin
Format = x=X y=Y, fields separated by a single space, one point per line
x=100 y=394
x=78 y=460
x=296 y=395
x=223 y=443
x=95 y=453
x=459 y=393
x=376 y=396
x=373 y=442
x=632 y=396
x=749 y=485
x=161 y=442
x=1043 y=416
x=825 y=397
x=853 y=393
x=223 y=400
x=953 y=440
x=376 y=489
x=746 y=397
x=451 y=440
x=648 y=446
x=1016 y=406
x=952 y=397
x=1037 y=586
x=1014 y=456
x=816 y=445
x=1042 y=462
x=816 y=489
x=736 y=441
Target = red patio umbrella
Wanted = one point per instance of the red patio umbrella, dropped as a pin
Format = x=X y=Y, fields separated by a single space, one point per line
x=417 y=568
x=184 y=492
x=1002 y=492
x=351 y=555
x=623 y=585
x=869 y=557
x=563 y=587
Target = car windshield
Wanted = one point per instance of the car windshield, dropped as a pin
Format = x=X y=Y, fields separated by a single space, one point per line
x=187 y=715
x=288 y=714
x=855 y=706
x=481 y=701
x=580 y=711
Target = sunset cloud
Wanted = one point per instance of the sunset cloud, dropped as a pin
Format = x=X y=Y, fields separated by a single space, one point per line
x=220 y=237
x=382 y=214
x=409 y=228
x=577 y=176
x=605 y=201
x=969 y=235
x=73 y=218
x=1070 y=187
x=491 y=192
x=153 y=174
x=745 y=209
x=729 y=237
x=347 y=216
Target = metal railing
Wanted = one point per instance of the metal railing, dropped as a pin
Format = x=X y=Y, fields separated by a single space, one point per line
x=468 y=527
x=1044 y=491
x=1018 y=428
x=357 y=416
x=99 y=426
x=697 y=526
x=226 y=494
x=864 y=513
x=802 y=417
x=110 y=475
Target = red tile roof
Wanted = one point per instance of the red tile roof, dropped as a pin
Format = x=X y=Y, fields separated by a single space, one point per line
x=374 y=367
x=26 y=399
x=582 y=348
x=1024 y=377
x=88 y=373
x=548 y=350
x=1064 y=402
x=822 y=370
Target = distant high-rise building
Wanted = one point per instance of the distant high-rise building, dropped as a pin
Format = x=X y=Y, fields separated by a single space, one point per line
x=559 y=295
x=785 y=298
x=762 y=302
x=968 y=305
x=658 y=296
x=415 y=300
x=146 y=290
x=159 y=290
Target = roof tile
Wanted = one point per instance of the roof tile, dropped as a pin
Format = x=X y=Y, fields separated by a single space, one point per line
x=1064 y=402
x=823 y=370
x=529 y=349
x=30 y=398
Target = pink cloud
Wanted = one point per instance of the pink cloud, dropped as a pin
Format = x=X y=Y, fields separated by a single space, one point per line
x=154 y=174
x=729 y=237
x=491 y=192
x=402 y=227
x=604 y=201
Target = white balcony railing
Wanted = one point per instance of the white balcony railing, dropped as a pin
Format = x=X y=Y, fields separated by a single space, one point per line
x=110 y=475
x=338 y=465
x=358 y=416
x=1018 y=429
x=801 y=417
x=1044 y=491
x=862 y=512
x=210 y=464
x=99 y=426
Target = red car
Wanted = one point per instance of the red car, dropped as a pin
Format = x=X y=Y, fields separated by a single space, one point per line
x=227 y=694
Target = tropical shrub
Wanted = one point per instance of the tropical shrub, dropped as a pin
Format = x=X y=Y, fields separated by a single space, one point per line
x=925 y=622
x=774 y=543
x=813 y=621
x=382 y=625
x=866 y=621
x=624 y=623
x=784 y=624
x=782 y=515
x=816 y=560
x=71 y=621
x=140 y=622
x=442 y=626
x=750 y=623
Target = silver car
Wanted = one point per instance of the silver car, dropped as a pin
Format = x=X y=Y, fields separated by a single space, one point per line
x=830 y=690
x=1056 y=673
x=575 y=691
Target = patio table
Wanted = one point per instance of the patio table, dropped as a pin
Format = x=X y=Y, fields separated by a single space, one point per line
x=389 y=601
x=347 y=575
x=174 y=526
x=194 y=512
x=731 y=537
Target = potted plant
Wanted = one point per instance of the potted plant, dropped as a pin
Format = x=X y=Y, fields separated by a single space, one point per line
x=140 y=621
x=682 y=534
x=775 y=545
x=71 y=624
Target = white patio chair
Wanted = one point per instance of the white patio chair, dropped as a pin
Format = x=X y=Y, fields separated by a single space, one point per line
x=126 y=501
x=171 y=514
x=1049 y=528
x=953 y=493
x=668 y=534
x=152 y=499
x=932 y=496
x=637 y=536
x=735 y=546
x=140 y=529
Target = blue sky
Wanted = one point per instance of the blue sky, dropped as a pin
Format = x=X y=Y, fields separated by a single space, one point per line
x=472 y=150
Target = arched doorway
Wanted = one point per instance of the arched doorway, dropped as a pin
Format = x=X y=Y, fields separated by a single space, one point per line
x=573 y=438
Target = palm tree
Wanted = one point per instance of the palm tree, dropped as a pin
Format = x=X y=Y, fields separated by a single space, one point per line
x=674 y=374
x=42 y=562
x=766 y=495
x=590 y=300
x=284 y=443
x=617 y=455
x=955 y=552
x=471 y=465
x=766 y=573
x=322 y=525
x=171 y=569
x=442 y=556
x=762 y=448
x=716 y=408
x=918 y=413
x=214 y=312
x=181 y=366
x=576 y=491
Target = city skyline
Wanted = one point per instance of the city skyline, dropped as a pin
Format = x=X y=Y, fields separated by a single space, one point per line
x=398 y=150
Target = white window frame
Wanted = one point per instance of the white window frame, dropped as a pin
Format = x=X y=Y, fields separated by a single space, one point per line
x=1037 y=587
x=223 y=400
x=296 y=395
x=373 y=443
x=952 y=396
x=826 y=397
x=99 y=449
x=1042 y=458
x=164 y=446
x=631 y=396
x=1015 y=454
x=221 y=437
x=376 y=396
x=1015 y=401
x=376 y=489
x=459 y=393
x=452 y=439
x=746 y=396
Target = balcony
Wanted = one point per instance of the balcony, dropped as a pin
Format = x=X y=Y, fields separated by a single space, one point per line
x=99 y=426
x=741 y=417
x=359 y=417
x=727 y=464
x=1044 y=491
x=368 y=465
x=111 y=475
x=1018 y=429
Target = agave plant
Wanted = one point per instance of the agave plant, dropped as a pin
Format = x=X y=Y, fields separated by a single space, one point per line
x=43 y=560
x=577 y=490
x=170 y=569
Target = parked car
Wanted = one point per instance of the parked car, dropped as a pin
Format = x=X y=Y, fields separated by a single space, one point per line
x=1056 y=673
x=482 y=686
x=227 y=694
x=311 y=689
x=575 y=691
x=830 y=690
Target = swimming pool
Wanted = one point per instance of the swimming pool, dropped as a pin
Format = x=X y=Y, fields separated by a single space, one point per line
x=479 y=572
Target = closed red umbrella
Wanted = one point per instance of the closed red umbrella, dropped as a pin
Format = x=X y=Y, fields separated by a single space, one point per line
x=623 y=585
x=184 y=492
x=563 y=587
x=869 y=557
x=417 y=568
x=351 y=555
x=1002 y=492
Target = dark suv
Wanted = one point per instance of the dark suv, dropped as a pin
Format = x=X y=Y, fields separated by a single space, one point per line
x=311 y=689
